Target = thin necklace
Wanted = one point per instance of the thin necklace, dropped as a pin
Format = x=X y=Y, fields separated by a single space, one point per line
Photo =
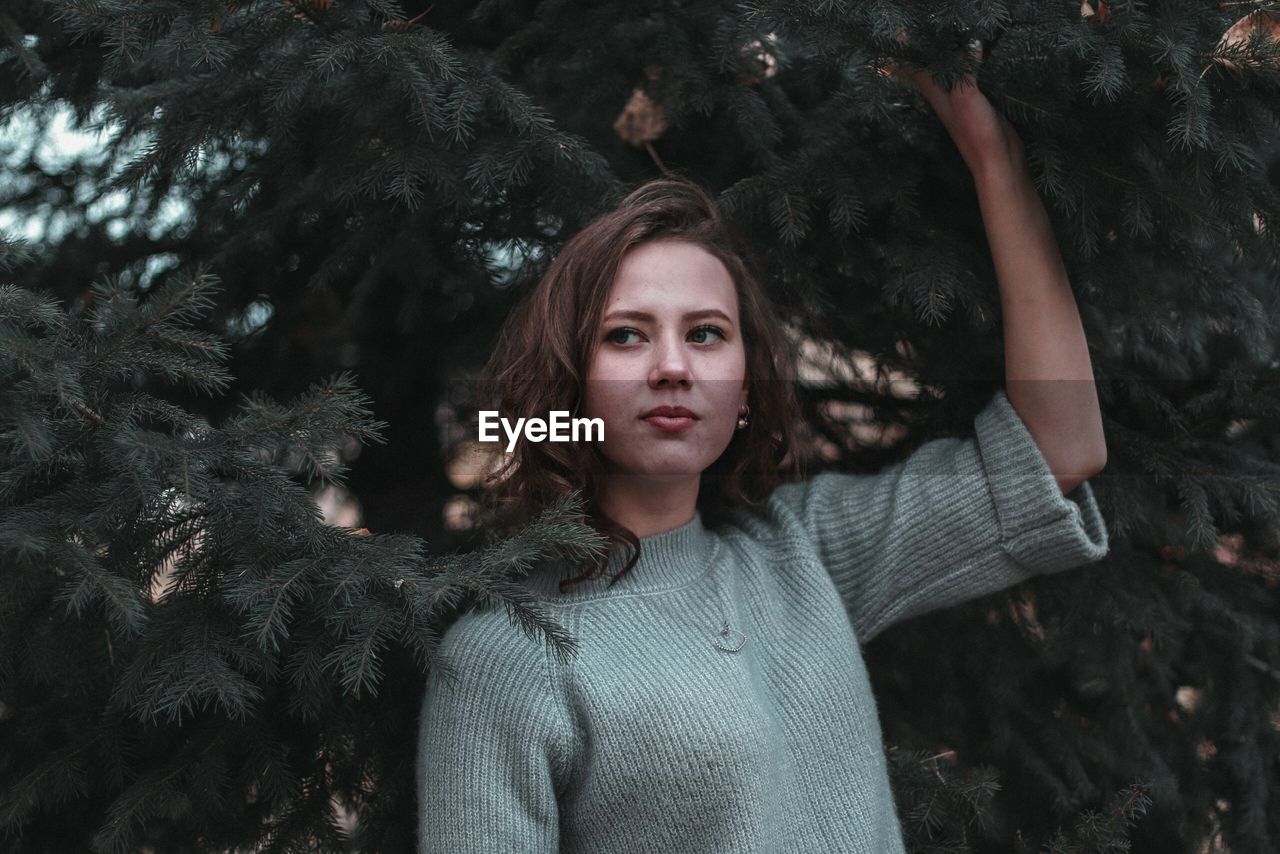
x=726 y=638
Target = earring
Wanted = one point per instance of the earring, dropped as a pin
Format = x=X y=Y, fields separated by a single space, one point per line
x=744 y=417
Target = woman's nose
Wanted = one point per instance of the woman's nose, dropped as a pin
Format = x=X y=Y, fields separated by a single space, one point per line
x=671 y=365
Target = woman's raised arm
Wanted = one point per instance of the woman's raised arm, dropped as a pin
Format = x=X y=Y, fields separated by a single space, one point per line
x=1048 y=374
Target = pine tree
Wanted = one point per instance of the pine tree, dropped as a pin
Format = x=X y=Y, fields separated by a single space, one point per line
x=191 y=657
x=380 y=180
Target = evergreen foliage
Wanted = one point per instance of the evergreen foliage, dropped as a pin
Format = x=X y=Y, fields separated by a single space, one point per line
x=190 y=658
x=372 y=183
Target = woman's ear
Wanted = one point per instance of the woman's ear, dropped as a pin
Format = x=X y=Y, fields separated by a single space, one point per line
x=742 y=398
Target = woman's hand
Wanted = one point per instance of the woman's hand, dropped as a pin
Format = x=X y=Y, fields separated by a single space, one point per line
x=982 y=134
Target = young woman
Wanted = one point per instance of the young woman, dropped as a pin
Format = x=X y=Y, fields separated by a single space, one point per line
x=718 y=700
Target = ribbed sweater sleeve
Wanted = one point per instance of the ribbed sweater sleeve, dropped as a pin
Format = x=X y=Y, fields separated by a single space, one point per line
x=958 y=519
x=490 y=744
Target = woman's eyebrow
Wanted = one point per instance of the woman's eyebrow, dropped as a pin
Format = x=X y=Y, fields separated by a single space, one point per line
x=644 y=316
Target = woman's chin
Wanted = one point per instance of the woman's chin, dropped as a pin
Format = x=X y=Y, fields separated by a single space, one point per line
x=668 y=473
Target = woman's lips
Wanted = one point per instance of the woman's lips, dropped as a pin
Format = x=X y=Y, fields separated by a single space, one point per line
x=671 y=423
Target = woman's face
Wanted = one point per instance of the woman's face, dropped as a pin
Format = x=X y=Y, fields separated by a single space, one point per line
x=669 y=337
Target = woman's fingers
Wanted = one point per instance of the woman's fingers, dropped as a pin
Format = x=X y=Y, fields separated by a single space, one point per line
x=893 y=67
x=976 y=127
x=904 y=70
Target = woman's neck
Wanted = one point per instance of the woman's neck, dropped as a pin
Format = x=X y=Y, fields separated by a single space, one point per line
x=649 y=505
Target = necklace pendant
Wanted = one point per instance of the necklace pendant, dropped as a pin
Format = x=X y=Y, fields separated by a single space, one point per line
x=729 y=640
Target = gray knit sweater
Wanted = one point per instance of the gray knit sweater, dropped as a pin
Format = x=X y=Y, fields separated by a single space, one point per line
x=664 y=734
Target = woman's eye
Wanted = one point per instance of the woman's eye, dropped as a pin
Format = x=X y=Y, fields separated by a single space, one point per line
x=620 y=333
x=713 y=329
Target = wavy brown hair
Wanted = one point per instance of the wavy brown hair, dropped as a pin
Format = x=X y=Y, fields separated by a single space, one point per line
x=541 y=359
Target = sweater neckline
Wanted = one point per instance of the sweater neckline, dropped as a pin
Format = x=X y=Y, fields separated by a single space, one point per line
x=668 y=560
